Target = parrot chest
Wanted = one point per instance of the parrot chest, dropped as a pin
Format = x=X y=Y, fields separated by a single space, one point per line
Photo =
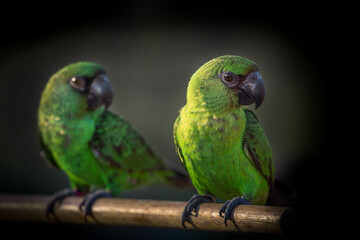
x=215 y=158
x=69 y=145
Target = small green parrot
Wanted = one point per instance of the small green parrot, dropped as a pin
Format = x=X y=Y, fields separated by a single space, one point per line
x=219 y=141
x=93 y=146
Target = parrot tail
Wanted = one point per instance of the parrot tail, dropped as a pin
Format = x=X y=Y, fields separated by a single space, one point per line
x=282 y=195
x=179 y=179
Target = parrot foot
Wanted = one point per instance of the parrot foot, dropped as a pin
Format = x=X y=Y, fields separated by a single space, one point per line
x=58 y=196
x=229 y=206
x=89 y=200
x=192 y=204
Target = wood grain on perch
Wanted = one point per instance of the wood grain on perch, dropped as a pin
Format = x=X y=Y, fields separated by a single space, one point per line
x=151 y=213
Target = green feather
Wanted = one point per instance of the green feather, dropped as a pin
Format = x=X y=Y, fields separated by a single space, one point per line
x=212 y=130
x=93 y=147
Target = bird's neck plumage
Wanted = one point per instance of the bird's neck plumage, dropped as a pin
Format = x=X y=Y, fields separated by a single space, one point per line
x=212 y=114
x=210 y=105
x=212 y=111
x=200 y=99
x=61 y=129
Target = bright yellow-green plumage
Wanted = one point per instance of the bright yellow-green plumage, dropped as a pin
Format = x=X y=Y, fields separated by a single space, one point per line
x=219 y=141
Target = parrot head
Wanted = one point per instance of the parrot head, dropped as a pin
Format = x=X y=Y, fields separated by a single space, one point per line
x=78 y=88
x=227 y=80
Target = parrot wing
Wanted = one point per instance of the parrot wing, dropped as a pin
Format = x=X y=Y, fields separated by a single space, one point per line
x=257 y=147
x=46 y=154
x=177 y=147
x=117 y=144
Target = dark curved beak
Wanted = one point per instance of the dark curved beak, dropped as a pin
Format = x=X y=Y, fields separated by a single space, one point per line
x=252 y=90
x=100 y=92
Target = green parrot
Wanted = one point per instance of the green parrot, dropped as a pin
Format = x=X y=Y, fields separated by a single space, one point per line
x=219 y=141
x=93 y=146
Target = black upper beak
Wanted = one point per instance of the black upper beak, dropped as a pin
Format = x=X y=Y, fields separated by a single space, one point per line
x=252 y=90
x=100 y=92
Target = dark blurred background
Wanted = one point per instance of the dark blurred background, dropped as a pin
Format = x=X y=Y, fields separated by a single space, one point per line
x=150 y=50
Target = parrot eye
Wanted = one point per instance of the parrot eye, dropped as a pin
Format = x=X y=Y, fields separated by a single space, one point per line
x=78 y=83
x=229 y=78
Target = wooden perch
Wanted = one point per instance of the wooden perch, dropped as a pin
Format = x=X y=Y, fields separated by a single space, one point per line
x=151 y=213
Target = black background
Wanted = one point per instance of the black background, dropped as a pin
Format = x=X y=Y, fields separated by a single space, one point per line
x=320 y=32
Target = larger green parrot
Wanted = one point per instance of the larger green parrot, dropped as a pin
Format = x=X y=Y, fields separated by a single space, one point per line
x=93 y=146
x=219 y=141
